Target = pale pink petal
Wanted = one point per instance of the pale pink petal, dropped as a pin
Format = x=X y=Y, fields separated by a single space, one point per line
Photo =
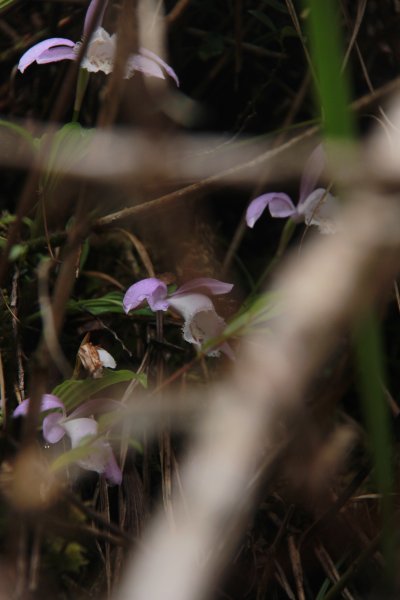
x=99 y=456
x=90 y=15
x=112 y=472
x=34 y=53
x=78 y=429
x=320 y=208
x=279 y=203
x=160 y=61
x=137 y=62
x=48 y=402
x=201 y=284
x=53 y=432
x=201 y=322
x=152 y=289
x=56 y=54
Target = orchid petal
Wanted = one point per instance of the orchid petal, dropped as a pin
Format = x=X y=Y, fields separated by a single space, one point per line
x=100 y=52
x=100 y=456
x=201 y=322
x=280 y=206
x=153 y=56
x=34 y=53
x=53 y=432
x=56 y=54
x=112 y=472
x=48 y=402
x=212 y=286
x=106 y=359
x=151 y=289
x=312 y=172
x=90 y=14
x=320 y=208
x=137 y=62
x=78 y=429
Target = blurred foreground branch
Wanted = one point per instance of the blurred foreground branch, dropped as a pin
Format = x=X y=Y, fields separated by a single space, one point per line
x=256 y=412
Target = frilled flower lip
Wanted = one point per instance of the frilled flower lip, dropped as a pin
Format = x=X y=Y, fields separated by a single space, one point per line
x=201 y=322
x=100 y=458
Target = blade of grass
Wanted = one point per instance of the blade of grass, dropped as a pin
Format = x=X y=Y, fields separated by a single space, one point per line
x=333 y=90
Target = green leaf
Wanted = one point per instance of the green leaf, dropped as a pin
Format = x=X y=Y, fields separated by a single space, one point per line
x=72 y=456
x=68 y=146
x=110 y=303
x=21 y=131
x=17 y=251
x=371 y=377
x=74 y=391
x=333 y=86
x=62 y=556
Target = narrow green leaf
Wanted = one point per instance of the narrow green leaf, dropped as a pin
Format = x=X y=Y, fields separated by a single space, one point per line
x=74 y=391
x=333 y=86
x=369 y=349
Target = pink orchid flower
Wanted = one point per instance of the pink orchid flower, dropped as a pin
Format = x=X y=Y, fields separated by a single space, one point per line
x=55 y=425
x=100 y=52
x=201 y=323
x=315 y=206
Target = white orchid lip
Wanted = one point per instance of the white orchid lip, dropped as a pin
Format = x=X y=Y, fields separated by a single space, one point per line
x=201 y=323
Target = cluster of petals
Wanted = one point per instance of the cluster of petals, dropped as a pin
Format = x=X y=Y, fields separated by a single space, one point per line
x=99 y=457
x=99 y=55
x=201 y=322
x=315 y=206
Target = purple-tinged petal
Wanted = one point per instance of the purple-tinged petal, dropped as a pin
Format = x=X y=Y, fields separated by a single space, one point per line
x=212 y=286
x=112 y=472
x=48 y=402
x=90 y=15
x=56 y=54
x=312 y=172
x=137 y=62
x=22 y=409
x=281 y=206
x=281 y=203
x=53 y=432
x=160 y=61
x=35 y=52
x=201 y=322
x=151 y=289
